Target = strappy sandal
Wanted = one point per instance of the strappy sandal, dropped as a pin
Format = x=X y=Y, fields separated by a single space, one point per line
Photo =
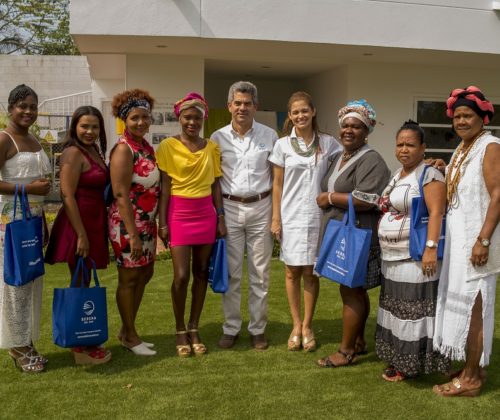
x=455 y=388
x=199 y=349
x=360 y=349
x=309 y=343
x=25 y=361
x=294 y=342
x=326 y=362
x=34 y=353
x=183 y=350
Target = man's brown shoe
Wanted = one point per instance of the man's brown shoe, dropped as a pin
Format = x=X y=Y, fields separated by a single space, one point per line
x=259 y=342
x=227 y=341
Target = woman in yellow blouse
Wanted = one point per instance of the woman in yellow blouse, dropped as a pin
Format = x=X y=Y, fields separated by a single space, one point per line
x=190 y=214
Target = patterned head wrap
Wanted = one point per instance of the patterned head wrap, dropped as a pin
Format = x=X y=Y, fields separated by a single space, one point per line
x=192 y=100
x=361 y=110
x=473 y=98
x=131 y=104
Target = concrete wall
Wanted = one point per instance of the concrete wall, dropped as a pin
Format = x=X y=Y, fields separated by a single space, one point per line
x=407 y=24
x=49 y=76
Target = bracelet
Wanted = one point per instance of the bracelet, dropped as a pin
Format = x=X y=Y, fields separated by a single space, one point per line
x=163 y=228
x=221 y=211
x=330 y=199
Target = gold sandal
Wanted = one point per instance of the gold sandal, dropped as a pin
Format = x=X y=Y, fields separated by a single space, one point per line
x=199 y=349
x=183 y=350
x=309 y=343
x=294 y=342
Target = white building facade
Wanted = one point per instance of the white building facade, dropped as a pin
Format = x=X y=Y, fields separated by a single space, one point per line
x=403 y=57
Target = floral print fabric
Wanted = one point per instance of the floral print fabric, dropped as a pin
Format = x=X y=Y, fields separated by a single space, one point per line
x=143 y=195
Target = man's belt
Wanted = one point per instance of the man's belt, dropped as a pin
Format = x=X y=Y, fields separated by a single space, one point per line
x=246 y=200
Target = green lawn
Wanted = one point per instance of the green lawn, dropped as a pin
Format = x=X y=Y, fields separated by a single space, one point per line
x=239 y=383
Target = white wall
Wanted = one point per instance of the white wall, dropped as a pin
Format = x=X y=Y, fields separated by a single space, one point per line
x=425 y=24
x=49 y=76
x=165 y=76
x=391 y=90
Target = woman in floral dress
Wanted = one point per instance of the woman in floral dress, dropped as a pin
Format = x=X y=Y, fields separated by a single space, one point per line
x=131 y=219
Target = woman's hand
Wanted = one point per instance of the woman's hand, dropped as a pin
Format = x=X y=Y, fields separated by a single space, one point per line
x=163 y=234
x=429 y=262
x=82 y=246
x=479 y=256
x=276 y=229
x=38 y=187
x=221 y=227
x=135 y=248
x=322 y=200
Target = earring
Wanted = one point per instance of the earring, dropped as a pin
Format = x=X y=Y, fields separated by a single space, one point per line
x=366 y=139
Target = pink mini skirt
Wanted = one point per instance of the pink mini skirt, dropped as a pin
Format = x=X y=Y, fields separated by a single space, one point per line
x=191 y=221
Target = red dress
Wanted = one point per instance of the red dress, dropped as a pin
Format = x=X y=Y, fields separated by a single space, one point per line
x=90 y=200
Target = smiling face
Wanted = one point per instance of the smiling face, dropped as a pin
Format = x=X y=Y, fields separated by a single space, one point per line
x=191 y=120
x=466 y=123
x=353 y=134
x=24 y=112
x=242 y=108
x=409 y=150
x=301 y=115
x=88 y=129
x=138 y=122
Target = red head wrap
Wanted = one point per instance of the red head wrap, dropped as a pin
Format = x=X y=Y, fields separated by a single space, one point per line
x=474 y=99
x=192 y=100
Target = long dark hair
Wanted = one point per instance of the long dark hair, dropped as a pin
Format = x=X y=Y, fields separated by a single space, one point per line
x=71 y=138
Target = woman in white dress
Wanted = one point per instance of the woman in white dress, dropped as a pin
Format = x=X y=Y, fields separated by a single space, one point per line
x=300 y=161
x=471 y=263
x=22 y=161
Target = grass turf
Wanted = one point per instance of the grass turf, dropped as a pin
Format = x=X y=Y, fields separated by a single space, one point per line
x=238 y=383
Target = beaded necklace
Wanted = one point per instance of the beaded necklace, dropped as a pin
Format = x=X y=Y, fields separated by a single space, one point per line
x=458 y=159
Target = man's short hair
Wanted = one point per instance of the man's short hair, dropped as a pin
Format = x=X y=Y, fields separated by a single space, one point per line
x=243 y=87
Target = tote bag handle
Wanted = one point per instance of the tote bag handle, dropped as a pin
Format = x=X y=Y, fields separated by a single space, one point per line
x=350 y=214
x=81 y=267
x=421 y=181
x=25 y=206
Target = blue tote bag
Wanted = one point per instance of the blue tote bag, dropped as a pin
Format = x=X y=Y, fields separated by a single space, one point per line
x=79 y=314
x=419 y=220
x=218 y=276
x=23 y=245
x=343 y=255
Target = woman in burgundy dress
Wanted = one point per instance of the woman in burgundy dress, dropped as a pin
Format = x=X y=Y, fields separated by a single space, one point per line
x=80 y=225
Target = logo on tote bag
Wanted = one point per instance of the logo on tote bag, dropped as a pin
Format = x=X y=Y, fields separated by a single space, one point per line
x=88 y=307
x=341 y=252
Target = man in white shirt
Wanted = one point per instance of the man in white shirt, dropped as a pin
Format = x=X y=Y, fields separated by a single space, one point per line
x=246 y=183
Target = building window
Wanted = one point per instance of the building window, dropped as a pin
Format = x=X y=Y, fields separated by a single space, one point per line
x=441 y=140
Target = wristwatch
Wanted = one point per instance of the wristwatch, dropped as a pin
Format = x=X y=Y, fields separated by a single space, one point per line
x=484 y=242
x=431 y=244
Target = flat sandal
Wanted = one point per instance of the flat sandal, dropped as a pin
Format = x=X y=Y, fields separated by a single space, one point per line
x=326 y=362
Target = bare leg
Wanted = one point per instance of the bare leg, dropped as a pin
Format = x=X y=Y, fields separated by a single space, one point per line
x=311 y=292
x=181 y=256
x=128 y=278
x=353 y=320
x=471 y=374
x=201 y=258
x=292 y=282
x=360 y=345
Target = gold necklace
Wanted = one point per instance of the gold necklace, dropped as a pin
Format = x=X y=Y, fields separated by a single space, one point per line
x=458 y=160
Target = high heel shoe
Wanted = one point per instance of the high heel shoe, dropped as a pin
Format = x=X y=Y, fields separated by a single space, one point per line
x=91 y=355
x=294 y=342
x=148 y=345
x=140 y=349
x=25 y=362
x=309 y=343
x=199 y=349
x=183 y=350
